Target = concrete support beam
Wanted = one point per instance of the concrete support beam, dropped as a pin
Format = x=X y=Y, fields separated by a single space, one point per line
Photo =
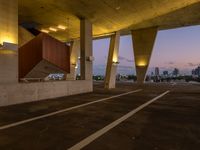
x=74 y=54
x=112 y=62
x=8 y=41
x=24 y=36
x=86 y=50
x=143 y=42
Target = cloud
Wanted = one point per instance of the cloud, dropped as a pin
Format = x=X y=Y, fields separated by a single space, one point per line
x=128 y=60
x=171 y=63
x=125 y=67
x=124 y=58
x=192 y=64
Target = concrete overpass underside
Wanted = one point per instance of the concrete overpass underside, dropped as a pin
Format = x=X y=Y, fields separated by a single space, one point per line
x=78 y=22
x=108 y=16
x=80 y=114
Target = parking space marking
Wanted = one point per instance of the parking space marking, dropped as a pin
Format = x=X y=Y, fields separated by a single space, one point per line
x=174 y=83
x=64 y=110
x=102 y=131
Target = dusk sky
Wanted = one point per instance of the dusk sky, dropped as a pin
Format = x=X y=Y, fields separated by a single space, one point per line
x=173 y=48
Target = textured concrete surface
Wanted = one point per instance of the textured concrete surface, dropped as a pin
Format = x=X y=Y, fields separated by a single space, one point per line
x=24 y=36
x=9 y=21
x=9 y=34
x=172 y=122
x=9 y=68
x=143 y=43
x=86 y=50
x=74 y=54
x=27 y=92
x=43 y=69
x=111 y=68
x=108 y=16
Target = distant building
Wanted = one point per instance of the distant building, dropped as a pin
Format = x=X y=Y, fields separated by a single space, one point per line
x=165 y=73
x=157 y=71
x=118 y=77
x=157 y=77
x=196 y=71
x=175 y=72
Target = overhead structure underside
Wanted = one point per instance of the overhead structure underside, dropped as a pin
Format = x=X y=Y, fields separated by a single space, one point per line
x=107 y=16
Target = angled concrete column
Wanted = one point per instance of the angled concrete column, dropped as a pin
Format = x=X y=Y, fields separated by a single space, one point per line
x=86 y=50
x=143 y=42
x=112 y=62
x=74 y=54
x=8 y=41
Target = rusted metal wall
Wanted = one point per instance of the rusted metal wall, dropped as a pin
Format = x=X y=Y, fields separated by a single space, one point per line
x=56 y=52
x=42 y=47
x=30 y=55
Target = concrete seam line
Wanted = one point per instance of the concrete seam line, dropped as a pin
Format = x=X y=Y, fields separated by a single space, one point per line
x=102 y=131
x=64 y=110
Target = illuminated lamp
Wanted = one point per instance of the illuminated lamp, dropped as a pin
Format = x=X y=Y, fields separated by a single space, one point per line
x=45 y=31
x=52 y=29
x=115 y=62
x=62 y=27
x=8 y=48
x=75 y=66
x=141 y=64
x=1 y=46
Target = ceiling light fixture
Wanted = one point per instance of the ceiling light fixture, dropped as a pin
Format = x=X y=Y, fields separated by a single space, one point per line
x=45 y=31
x=1 y=46
x=53 y=29
x=117 y=7
x=115 y=62
x=62 y=27
x=8 y=48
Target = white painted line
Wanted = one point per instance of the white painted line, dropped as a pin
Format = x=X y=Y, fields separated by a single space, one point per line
x=102 y=131
x=174 y=83
x=64 y=110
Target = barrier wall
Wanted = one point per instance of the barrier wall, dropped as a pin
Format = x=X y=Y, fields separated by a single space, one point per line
x=29 y=92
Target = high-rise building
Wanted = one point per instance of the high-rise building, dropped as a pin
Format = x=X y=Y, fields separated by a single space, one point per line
x=175 y=72
x=157 y=71
x=196 y=71
x=165 y=73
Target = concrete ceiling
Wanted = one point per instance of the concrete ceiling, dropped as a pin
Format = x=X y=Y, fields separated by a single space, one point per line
x=107 y=16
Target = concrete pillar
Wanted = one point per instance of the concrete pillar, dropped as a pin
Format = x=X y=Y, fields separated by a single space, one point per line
x=74 y=54
x=8 y=41
x=86 y=50
x=112 y=62
x=143 y=42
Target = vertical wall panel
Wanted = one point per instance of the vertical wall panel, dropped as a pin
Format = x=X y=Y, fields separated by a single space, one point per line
x=30 y=55
x=56 y=52
x=43 y=47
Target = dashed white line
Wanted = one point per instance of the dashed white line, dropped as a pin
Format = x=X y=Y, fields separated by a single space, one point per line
x=174 y=83
x=102 y=131
x=64 y=110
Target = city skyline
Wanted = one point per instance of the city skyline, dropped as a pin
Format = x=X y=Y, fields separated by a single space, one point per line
x=174 y=48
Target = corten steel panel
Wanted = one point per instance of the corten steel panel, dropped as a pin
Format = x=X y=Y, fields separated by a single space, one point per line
x=56 y=52
x=30 y=55
x=43 y=47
